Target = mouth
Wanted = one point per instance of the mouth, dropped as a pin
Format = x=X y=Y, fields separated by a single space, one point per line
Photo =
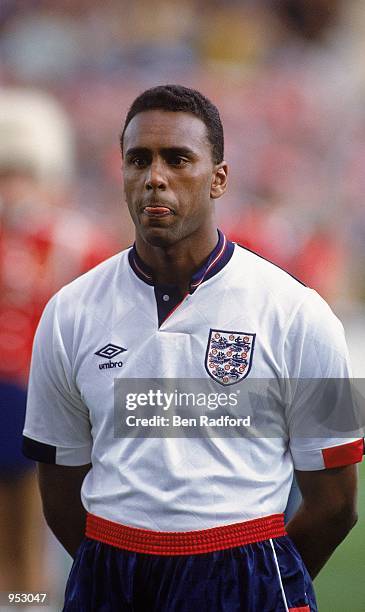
x=157 y=209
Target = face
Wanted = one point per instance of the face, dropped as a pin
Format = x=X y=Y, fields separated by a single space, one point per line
x=170 y=180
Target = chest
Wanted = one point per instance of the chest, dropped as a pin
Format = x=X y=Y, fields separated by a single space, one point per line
x=219 y=336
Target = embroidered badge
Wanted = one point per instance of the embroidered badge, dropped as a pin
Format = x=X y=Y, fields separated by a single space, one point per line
x=229 y=355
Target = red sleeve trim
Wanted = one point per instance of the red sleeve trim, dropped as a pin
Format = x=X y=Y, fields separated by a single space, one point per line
x=346 y=454
x=301 y=609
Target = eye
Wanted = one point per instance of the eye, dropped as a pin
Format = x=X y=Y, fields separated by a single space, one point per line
x=138 y=162
x=177 y=160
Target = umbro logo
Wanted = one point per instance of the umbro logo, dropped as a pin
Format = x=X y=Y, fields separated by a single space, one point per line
x=109 y=351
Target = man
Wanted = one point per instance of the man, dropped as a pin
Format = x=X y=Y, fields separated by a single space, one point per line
x=174 y=523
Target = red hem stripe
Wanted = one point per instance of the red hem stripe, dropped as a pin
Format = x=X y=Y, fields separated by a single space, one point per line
x=301 y=609
x=184 y=542
x=345 y=454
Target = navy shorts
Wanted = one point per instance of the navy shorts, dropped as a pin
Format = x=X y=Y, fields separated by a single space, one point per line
x=267 y=576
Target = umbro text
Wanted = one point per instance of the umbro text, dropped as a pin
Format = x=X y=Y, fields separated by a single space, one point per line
x=110 y=364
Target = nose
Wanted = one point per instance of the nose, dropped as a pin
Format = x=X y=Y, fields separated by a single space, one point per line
x=156 y=178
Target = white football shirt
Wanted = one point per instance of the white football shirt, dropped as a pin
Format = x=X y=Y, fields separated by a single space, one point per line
x=113 y=323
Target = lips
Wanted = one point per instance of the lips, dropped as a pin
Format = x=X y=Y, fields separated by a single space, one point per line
x=157 y=209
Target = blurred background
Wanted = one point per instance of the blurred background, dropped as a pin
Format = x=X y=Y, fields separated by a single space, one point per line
x=288 y=77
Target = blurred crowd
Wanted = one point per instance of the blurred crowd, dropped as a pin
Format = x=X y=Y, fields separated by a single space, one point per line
x=289 y=79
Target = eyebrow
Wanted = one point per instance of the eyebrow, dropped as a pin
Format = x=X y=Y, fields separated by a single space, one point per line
x=169 y=150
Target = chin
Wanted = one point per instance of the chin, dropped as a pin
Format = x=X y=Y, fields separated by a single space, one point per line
x=160 y=237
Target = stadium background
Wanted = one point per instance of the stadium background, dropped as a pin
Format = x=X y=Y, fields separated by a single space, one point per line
x=289 y=79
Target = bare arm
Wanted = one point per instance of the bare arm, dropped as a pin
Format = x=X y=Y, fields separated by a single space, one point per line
x=60 y=491
x=326 y=514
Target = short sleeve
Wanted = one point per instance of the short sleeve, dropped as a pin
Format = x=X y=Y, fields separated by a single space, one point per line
x=324 y=420
x=57 y=426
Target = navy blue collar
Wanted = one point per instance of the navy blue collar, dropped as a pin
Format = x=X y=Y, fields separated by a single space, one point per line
x=218 y=258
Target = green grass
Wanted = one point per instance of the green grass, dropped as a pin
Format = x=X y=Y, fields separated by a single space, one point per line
x=340 y=587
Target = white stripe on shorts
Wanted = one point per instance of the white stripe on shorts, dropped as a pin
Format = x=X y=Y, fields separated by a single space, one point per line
x=279 y=576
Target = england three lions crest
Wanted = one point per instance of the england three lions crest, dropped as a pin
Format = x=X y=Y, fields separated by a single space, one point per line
x=229 y=355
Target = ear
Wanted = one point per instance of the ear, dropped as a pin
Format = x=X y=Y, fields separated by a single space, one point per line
x=219 y=180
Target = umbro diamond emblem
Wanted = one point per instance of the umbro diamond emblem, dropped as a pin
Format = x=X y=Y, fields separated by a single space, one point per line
x=109 y=351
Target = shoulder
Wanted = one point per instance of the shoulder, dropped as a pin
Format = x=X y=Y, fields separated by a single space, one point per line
x=92 y=288
x=300 y=308
x=266 y=269
x=267 y=282
x=94 y=283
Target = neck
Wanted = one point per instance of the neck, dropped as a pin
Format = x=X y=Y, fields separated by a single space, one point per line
x=175 y=264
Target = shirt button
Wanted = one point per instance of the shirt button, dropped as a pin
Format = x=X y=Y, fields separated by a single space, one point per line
x=165 y=297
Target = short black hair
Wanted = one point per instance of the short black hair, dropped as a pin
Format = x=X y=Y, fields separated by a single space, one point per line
x=178 y=98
